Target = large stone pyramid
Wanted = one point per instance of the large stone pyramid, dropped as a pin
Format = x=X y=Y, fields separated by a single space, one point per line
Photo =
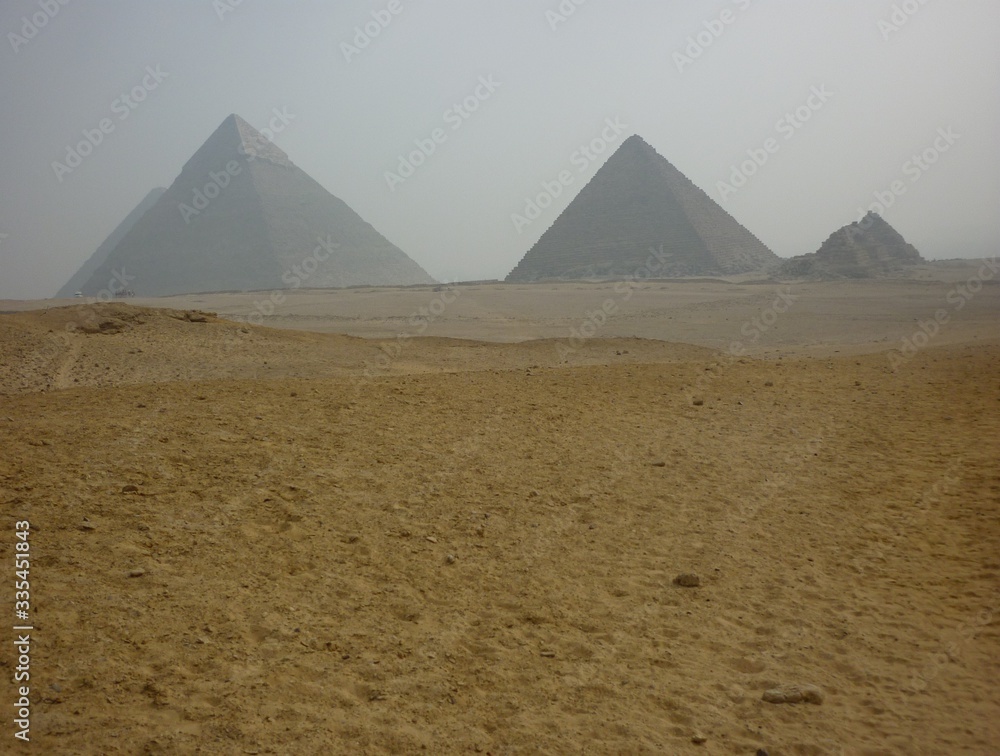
x=637 y=202
x=241 y=216
x=95 y=261
x=869 y=248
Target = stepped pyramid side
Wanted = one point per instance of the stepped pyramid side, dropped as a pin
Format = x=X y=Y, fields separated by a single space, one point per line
x=80 y=278
x=868 y=248
x=638 y=201
x=242 y=216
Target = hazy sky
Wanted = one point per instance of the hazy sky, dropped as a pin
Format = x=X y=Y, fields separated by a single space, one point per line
x=891 y=74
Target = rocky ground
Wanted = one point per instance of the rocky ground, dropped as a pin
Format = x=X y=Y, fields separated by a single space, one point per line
x=256 y=541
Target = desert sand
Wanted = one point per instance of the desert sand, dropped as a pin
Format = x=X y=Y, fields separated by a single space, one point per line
x=463 y=536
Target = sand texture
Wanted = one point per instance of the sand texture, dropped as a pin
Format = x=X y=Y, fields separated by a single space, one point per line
x=249 y=540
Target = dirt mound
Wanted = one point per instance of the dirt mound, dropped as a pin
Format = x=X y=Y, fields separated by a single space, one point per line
x=117 y=344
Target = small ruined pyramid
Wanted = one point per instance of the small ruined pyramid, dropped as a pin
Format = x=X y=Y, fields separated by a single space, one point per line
x=635 y=203
x=86 y=271
x=869 y=248
x=242 y=217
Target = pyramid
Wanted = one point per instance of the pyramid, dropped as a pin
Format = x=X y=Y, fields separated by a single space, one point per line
x=242 y=217
x=85 y=272
x=635 y=203
x=869 y=248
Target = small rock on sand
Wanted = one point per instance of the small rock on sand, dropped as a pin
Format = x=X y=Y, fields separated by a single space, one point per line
x=794 y=694
x=687 y=580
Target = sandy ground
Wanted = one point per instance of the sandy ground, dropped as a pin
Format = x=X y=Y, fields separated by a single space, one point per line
x=247 y=540
x=819 y=318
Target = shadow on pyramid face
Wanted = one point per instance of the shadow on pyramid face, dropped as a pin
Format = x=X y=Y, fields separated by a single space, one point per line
x=252 y=217
x=637 y=201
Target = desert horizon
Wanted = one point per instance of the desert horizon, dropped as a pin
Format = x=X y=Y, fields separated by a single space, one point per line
x=500 y=378
x=493 y=536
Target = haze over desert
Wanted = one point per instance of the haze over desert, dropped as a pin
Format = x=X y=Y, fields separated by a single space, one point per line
x=500 y=378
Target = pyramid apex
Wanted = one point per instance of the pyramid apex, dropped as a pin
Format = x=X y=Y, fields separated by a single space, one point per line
x=237 y=133
x=634 y=142
x=238 y=217
x=638 y=201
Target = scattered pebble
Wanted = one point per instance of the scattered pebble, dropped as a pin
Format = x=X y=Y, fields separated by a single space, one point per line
x=450 y=559
x=698 y=402
x=432 y=539
x=139 y=572
x=87 y=525
x=698 y=739
x=130 y=488
x=687 y=580
x=659 y=464
x=549 y=654
x=794 y=694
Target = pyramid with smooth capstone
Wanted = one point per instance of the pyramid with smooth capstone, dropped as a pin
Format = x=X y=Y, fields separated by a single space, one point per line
x=242 y=217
